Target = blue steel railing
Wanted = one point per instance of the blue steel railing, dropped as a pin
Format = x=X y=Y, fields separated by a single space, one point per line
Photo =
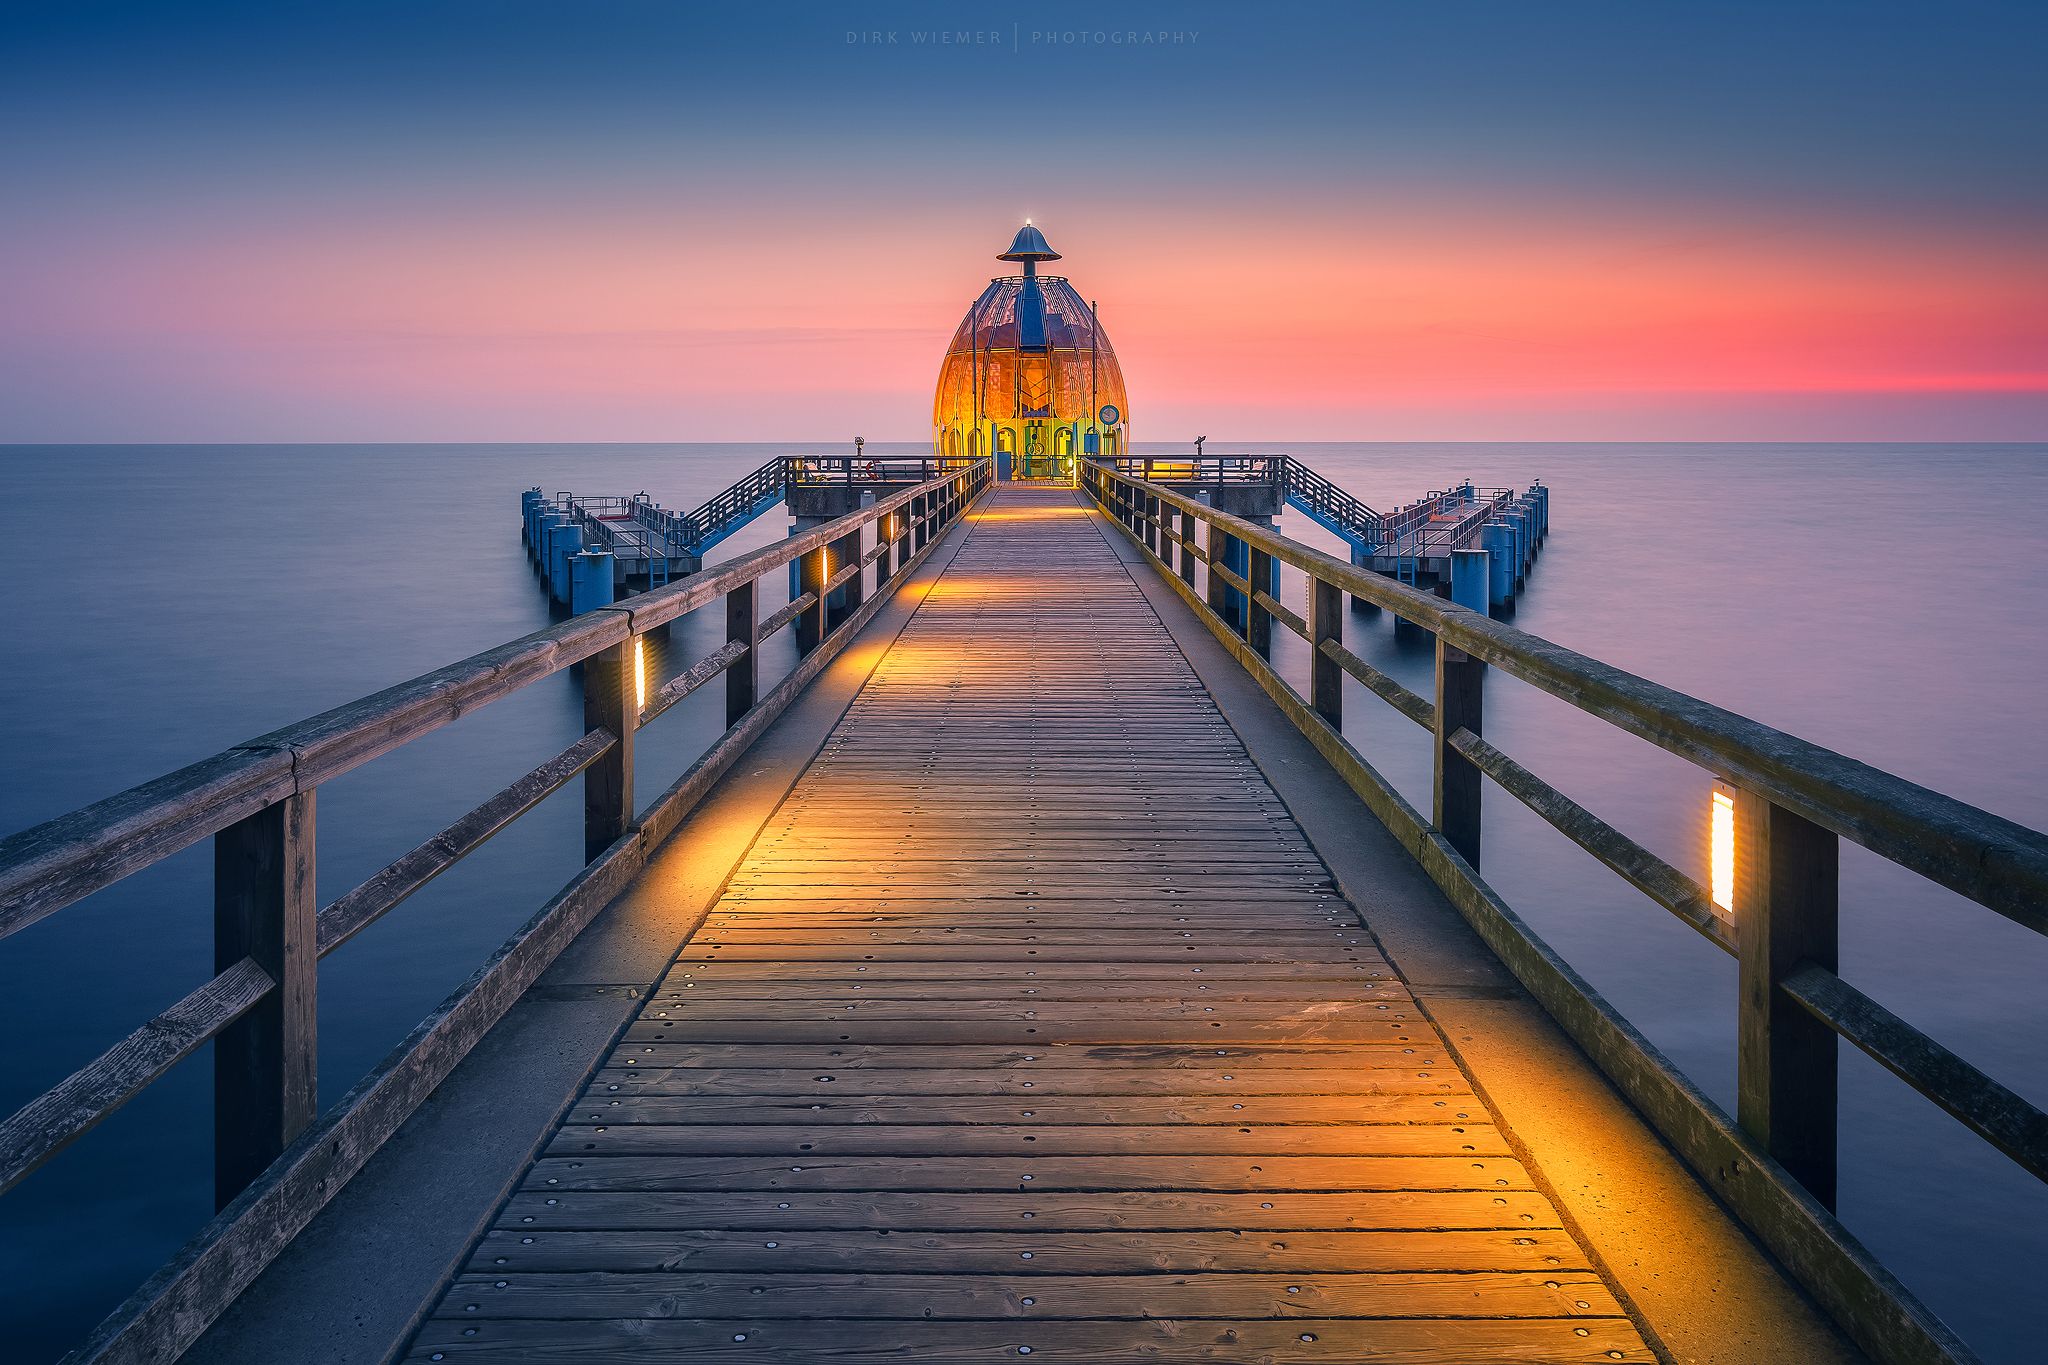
x=634 y=527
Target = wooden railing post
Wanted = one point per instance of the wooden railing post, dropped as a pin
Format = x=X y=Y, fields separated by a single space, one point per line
x=1219 y=591
x=1258 y=622
x=1787 y=898
x=1152 y=541
x=810 y=578
x=1325 y=678
x=846 y=554
x=265 y=1063
x=742 y=675
x=1460 y=693
x=611 y=702
x=1187 y=548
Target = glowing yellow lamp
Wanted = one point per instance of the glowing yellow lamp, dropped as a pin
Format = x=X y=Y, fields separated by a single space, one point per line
x=640 y=671
x=1723 y=833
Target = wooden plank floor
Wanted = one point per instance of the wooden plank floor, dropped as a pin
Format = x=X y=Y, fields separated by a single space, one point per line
x=1030 y=1026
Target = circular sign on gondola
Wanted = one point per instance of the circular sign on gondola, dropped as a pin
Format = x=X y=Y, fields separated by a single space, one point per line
x=1109 y=415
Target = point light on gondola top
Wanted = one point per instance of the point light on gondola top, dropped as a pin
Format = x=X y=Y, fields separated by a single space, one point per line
x=1029 y=376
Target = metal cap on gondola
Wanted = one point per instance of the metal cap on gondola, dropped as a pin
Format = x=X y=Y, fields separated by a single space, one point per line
x=1029 y=245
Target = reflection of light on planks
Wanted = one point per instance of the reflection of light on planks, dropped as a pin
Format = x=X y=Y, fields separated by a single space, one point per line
x=1031 y=1020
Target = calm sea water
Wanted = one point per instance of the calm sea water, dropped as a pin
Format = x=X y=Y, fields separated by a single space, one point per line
x=165 y=602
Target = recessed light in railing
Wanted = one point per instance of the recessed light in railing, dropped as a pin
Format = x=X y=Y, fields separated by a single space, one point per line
x=1722 y=838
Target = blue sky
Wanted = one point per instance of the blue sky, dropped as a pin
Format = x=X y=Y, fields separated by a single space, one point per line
x=156 y=145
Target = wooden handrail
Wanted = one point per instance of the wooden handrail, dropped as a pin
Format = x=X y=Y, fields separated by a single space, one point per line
x=1775 y=1166
x=74 y=1106
x=1642 y=869
x=1409 y=703
x=44 y=868
x=1990 y=1110
x=1993 y=861
x=356 y=911
x=275 y=1165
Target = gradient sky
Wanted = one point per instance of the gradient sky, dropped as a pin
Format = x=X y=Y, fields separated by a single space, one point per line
x=656 y=220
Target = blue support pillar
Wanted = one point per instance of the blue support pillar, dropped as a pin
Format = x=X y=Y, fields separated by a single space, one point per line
x=550 y=522
x=1471 y=578
x=1499 y=539
x=590 y=580
x=568 y=539
x=526 y=501
x=538 y=515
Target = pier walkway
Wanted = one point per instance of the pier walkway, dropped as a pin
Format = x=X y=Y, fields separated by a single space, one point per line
x=1031 y=1023
x=1032 y=969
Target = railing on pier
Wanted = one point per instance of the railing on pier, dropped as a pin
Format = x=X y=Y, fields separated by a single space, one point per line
x=1206 y=470
x=812 y=470
x=635 y=527
x=629 y=529
x=1436 y=524
x=1794 y=803
x=276 y=1162
x=1336 y=510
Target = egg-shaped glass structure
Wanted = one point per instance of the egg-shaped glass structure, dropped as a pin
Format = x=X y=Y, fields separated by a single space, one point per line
x=1030 y=377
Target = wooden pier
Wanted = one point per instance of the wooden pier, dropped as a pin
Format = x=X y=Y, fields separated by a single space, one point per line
x=1053 y=978
x=1031 y=1020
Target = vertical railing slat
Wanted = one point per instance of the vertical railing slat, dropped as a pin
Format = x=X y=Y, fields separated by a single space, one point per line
x=1325 y=677
x=743 y=675
x=846 y=552
x=1460 y=693
x=610 y=702
x=1788 y=895
x=265 y=1064
x=810 y=578
x=1214 y=541
x=1258 y=622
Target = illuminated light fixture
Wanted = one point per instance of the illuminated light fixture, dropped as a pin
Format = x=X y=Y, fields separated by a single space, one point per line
x=1723 y=839
x=640 y=671
x=1029 y=377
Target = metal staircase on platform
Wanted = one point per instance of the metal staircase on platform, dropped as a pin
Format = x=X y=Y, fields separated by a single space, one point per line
x=1329 y=506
